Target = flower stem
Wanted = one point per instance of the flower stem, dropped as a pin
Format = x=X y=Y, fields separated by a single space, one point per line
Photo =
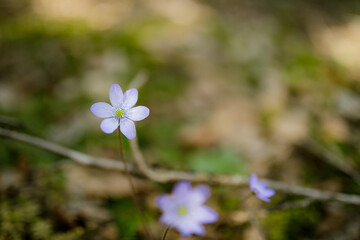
x=133 y=190
x=165 y=233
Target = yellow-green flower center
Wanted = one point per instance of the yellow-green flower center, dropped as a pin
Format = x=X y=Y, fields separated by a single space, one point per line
x=119 y=113
x=182 y=211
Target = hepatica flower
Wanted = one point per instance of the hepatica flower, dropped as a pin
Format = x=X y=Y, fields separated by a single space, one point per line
x=260 y=188
x=184 y=209
x=121 y=112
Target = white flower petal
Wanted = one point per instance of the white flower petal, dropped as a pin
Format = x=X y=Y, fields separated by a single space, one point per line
x=138 y=113
x=204 y=214
x=116 y=95
x=109 y=125
x=182 y=189
x=165 y=202
x=253 y=180
x=263 y=198
x=268 y=192
x=168 y=218
x=127 y=127
x=130 y=98
x=187 y=228
x=102 y=110
x=200 y=194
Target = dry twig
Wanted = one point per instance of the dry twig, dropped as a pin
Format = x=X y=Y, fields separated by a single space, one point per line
x=162 y=175
x=79 y=157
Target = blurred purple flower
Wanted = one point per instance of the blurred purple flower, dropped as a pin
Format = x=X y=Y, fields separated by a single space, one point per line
x=184 y=209
x=260 y=188
x=121 y=112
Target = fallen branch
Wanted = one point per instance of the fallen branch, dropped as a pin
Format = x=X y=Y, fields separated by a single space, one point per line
x=162 y=175
x=166 y=176
x=60 y=150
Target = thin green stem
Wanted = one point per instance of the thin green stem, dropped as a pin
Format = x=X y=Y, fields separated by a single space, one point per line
x=165 y=233
x=133 y=189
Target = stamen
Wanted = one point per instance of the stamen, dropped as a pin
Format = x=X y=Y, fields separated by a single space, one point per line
x=182 y=210
x=119 y=113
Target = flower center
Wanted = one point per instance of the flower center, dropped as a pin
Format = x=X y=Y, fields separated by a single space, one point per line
x=182 y=211
x=119 y=113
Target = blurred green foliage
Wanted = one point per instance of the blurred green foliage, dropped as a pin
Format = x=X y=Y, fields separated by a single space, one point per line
x=293 y=224
x=225 y=161
x=38 y=55
x=126 y=217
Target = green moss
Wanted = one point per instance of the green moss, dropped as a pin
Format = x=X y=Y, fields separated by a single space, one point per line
x=292 y=224
x=26 y=215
